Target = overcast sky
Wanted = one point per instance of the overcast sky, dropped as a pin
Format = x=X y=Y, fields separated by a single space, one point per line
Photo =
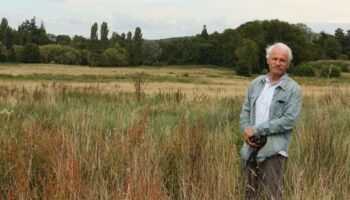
x=173 y=18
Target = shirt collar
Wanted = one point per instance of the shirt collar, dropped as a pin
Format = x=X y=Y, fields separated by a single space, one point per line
x=279 y=82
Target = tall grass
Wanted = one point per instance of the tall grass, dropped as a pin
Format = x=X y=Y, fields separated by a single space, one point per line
x=58 y=142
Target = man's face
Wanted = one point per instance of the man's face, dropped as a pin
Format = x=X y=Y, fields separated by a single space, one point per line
x=278 y=61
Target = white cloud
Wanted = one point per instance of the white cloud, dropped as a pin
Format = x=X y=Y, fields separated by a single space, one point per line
x=164 y=18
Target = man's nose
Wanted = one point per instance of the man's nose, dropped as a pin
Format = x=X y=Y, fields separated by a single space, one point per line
x=278 y=62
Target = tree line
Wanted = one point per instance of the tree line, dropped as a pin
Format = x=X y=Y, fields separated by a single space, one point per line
x=242 y=48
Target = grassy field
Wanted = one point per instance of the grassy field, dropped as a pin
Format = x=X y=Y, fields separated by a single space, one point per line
x=190 y=80
x=88 y=133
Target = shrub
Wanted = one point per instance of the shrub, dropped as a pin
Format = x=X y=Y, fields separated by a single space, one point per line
x=344 y=67
x=18 y=51
x=3 y=56
x=12 y=55
x=247 y=55
x=115 y=57
x=62 y=54
x=30 y=53
x=330 y=71
x=303 y=70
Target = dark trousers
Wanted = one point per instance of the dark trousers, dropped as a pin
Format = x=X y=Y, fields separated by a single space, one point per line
x=268 y=175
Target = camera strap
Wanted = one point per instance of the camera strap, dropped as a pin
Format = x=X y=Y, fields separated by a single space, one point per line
x=252 y=158
x=262 y=140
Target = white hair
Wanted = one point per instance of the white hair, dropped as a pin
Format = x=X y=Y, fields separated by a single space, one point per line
x=282 y=46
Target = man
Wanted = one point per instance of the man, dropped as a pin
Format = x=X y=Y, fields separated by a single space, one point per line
x=270 y=111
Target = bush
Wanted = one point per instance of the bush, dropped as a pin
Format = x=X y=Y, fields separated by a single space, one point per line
x=62 y=54
x=115 y=57
x=3 y=56
x=303 y=70
x=18 y=51
x=243 y=70
x=30 y=53
x=344 y=67
x=330 y=71
x=11 y=55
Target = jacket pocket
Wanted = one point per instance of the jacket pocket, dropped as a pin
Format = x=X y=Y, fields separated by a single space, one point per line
x=278 y=106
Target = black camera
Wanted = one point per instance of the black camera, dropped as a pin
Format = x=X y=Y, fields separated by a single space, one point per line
x=261 y=141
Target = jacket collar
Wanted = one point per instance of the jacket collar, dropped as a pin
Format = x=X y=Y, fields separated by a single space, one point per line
x=282 y=82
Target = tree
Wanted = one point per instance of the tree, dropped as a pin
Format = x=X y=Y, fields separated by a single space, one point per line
x=170 y=52
x=104 y=35
x=205 y=50
x=228 y=44
x=204 y=33
x=25 y=32
x=309 y=34
x=6 y=34
x=137 y=47
x=347 y=44
x=3 y=31
x=123 y=37
x=116 y=38
x=129 y=48
x=116 y=56
x=79 y=42
x=247 y=55
x=41 y=36
x=28 y=32
x=94 y=46
x=3 y=54
x=63 y=39
x=150 y=52
x=93 y=33
x=340 y=36
x=12 y=55
x=332 y=48
x=104 y=31
x=30 y=53
x=18 y=51
x=63 y=54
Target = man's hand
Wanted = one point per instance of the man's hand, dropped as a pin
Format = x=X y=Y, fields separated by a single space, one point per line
x=249 y=132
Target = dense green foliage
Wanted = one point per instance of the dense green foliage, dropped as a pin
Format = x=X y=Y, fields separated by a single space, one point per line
x=242 y=48
x=330 y=72
x=62 y=54
x=321 y=68
x=303 y=70
x=247 y=54
x=30 y=53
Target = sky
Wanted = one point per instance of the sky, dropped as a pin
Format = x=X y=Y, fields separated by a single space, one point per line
x=159 y=19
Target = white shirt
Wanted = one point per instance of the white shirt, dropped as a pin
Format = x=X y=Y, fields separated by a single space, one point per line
x=263 y=103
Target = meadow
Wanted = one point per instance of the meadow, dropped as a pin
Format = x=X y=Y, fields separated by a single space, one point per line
x=71 y=132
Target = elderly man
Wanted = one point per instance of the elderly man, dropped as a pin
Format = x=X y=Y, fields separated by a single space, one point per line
x=269 y=114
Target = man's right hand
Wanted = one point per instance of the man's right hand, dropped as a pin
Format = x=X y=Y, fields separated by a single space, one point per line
x=249 y=132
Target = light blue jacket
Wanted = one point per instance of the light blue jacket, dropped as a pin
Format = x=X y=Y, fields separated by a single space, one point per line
x=284 y=112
